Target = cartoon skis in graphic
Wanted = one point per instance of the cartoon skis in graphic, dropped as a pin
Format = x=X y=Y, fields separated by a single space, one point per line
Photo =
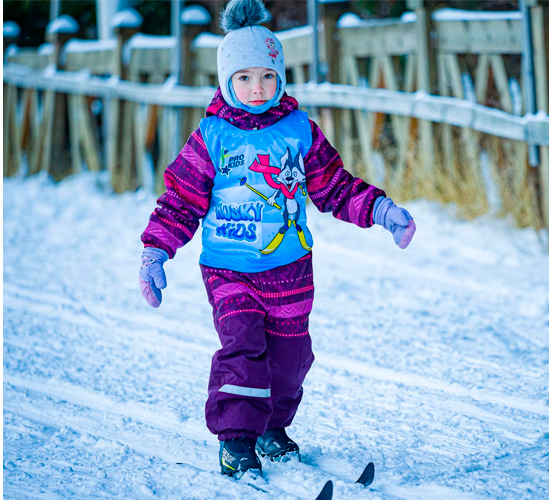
x=289 y=178
x=244 y=182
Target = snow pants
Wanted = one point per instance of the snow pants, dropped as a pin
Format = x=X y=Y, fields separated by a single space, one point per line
x=263 y=324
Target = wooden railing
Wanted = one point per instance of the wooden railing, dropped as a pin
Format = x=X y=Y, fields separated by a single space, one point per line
x=114 y=106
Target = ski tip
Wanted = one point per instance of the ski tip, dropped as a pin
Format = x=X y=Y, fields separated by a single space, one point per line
x=367 y=476
x=327 y=492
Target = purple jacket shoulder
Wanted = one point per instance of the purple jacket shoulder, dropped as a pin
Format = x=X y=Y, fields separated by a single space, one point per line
x=189 y=181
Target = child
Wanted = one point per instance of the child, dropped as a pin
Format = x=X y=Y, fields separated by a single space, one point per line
x=245 y=172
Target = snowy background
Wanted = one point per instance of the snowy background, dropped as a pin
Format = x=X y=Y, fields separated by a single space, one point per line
x=433 y=362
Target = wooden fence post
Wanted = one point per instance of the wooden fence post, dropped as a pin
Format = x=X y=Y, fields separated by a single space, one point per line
x=11 y=144
x=540 y=42
x=194 y=20
x=123 y=162
x=423 y=24
x=55 y=157
x=338 y=123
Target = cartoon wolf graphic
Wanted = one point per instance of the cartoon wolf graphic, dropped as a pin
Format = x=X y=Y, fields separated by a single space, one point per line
x=289 y=178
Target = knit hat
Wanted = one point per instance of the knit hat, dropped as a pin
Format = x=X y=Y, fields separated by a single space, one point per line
x=248 y=45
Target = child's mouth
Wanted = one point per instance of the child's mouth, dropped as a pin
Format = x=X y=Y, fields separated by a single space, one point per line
x=257 y=103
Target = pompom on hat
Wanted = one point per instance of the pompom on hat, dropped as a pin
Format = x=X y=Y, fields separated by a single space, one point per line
x=247 y=44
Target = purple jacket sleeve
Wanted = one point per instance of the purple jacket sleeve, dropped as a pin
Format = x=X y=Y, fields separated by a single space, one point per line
x=189 y=181
x=333 y=189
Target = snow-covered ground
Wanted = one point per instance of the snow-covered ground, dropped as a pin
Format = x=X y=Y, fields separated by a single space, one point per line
x=433 y=361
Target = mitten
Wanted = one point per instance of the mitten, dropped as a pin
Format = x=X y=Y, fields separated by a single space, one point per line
x=395 y=219
x=151 y=275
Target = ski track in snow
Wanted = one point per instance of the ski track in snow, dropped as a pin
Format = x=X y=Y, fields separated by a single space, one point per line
x=432 y=362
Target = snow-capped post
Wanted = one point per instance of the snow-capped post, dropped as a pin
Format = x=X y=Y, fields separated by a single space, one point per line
x=125 y=24
x=55 y=153
x=424 y=56
x=194 y=20
x=329 y=13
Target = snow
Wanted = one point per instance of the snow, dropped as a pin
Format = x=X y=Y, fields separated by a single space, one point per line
x=128 y=18
x=45 y=49
x=430 y=361
x=350 y=20
x=11 y=29
x=294 y=33
x=141 y=41
x=207 y=40
x=196 y=14
x=474 y=15
x=63 y=24
x=77 y=45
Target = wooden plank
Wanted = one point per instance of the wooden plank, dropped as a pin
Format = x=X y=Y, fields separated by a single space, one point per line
x=112 y=108
x=127 y=135
x=502 y=82
x=31 y=58
x=482 y=73
x=44 y=157
x=425 y=107
x=34 y=154
x=6 y=130
x=98 y=62
x=74 y=133
x=454 y=76
x=540 y=58
x=479 y=37
x=539 y=37
x=91 y=152
x=140 y=125
x=385 y=39
x=362 y=121
x=544 y=183
x=15 y=134
x=150 y=61
x=298 y=74
x=447 y=142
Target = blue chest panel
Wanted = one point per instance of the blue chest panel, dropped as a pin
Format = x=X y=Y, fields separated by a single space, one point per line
x=257 y=219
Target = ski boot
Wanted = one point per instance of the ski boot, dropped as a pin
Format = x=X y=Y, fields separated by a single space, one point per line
x=237 y=456
x=277 y=446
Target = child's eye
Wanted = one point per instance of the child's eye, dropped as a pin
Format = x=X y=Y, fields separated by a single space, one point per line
x=269 y=76
x=244 y=78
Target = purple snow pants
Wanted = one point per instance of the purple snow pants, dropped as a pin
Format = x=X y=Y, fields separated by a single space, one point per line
x=263 y=323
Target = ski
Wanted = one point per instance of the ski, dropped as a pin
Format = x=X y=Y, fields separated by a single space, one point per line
x=327 y=491
x=301 y=236
x=367 y=476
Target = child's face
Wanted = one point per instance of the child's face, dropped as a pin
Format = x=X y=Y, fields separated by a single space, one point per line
x=254 y=86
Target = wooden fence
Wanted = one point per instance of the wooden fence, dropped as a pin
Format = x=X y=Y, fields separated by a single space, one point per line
x=84 y=104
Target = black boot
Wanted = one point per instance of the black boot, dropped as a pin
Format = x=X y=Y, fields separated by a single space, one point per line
x=236 y=456
x=275 y=444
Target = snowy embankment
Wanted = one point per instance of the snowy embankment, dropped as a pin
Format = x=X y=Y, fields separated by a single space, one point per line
x=433 y=361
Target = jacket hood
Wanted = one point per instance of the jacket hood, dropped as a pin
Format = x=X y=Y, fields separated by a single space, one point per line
x=248 y=121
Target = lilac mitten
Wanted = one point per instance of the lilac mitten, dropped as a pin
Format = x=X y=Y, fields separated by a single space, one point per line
x=395 y=219
x=151 y=275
